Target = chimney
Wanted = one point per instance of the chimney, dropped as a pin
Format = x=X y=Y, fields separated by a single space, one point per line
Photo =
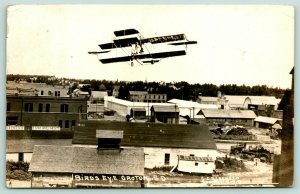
x=109 y=139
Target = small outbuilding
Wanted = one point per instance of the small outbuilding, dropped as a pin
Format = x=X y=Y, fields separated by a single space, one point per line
x=165 y=114
x=138 y=113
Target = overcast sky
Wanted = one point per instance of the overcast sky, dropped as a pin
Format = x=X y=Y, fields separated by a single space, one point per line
x=251 y=45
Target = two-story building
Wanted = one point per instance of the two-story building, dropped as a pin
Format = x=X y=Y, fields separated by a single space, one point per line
x=28 y=111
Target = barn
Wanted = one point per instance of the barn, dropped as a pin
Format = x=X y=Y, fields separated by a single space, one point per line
x=162 y=143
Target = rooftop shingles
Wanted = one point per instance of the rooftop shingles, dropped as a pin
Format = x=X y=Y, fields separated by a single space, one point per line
x=70 y=159
x=148 y=134
x=51 y=159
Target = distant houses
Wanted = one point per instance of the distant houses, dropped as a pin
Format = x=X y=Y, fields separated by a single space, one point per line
x=144 y=96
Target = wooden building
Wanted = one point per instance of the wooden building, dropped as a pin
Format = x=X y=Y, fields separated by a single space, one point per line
x=241 y=117
x=20 y=143
x=162 y=143
x=165 y=114
x=266 y=122
x=106 y=165
x=138 y=113
x=193 y=164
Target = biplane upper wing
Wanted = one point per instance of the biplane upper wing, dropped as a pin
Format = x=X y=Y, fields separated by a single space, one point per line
x=144 y=56
x=134 y=40
x=126 y=32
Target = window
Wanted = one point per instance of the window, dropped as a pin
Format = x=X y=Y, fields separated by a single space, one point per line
x=66 y=124
x=192 y=155
x=153 y=96
x=21 y=157
x=73 y=123
x=60 y=123
x=7 y=106
x=12 y=120
x=47 y=107
x=40 y=107
x=167 y=159
x=42 y=92
x=57 y=93
x=64 y=108
x=49 y=93
x=28 y=107
x=196 y=163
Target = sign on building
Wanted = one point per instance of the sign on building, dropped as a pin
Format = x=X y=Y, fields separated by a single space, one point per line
x=45 y=128
x=14 y=127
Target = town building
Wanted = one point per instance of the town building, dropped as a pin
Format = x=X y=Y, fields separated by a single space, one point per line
x=123 y=107
x=241 y=117
x=106 y=165
x=162 y=143
x=98 y=96
x=190 y=108
x=144 y=96
x=28 y=111
x=244 y=102
x=36 y=89
x=165 y=114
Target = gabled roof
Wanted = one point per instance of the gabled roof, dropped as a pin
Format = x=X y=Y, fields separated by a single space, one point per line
x=72 y=159
x=237 y=114
x=148 y=134
x=138 y=109
x=268 y=120
x=51 y=159
x=170 y=108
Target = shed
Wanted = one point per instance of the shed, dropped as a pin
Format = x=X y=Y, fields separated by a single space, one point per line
x=165 y=114
x=193 y=164
x=138 y=113
x=266 y=122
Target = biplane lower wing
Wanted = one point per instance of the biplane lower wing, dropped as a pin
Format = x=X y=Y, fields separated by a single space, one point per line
x=144 y=56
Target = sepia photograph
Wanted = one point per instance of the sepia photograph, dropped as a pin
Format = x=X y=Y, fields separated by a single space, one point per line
x=150 y=96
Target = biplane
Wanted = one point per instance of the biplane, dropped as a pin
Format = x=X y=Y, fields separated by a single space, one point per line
x=130 y=46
